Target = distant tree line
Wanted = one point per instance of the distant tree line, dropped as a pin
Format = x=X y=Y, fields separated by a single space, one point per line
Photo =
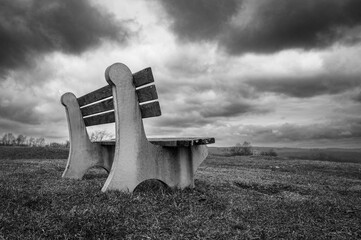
x=9 y=139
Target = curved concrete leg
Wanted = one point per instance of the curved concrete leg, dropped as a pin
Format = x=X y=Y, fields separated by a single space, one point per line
x=83 y=154
x=80 y=160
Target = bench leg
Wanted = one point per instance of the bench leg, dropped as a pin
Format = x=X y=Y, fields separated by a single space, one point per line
x=81 y=159
x=83 y=154
x=189 y=160
x=174 y=166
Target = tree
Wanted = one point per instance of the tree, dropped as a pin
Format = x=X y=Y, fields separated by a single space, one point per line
x=21 y=139
x=55 y=145
x=67 y=144
x=40 y=142
x=31 y=142
x=244 y=149
x=271 y=153
x=100 y=135
x=8 y=139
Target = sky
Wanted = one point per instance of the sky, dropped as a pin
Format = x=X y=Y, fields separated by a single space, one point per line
x=281 y=73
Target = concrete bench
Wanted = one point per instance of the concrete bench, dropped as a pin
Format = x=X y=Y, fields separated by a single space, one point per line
x=131 y=158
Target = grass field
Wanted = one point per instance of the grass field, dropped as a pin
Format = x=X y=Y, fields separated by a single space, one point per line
x=234 y=198
x=320 y=154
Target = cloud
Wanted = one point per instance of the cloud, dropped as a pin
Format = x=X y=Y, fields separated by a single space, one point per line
x=23 y=113
x=29 y=29
x=336 y=71
x=21 y=104
x=201 y=19
x=181 y=120
x=226 y=109
x=184 y=106
x=357 y=98
x=294 y=132
x=304 y=87
x=266 y=26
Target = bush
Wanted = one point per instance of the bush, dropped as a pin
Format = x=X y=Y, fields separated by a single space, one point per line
x=270 y=153
x=242 y=150
x=58 y=145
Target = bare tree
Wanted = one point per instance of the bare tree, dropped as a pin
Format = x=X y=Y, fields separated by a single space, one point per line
x=31 y=142
x=100 y=135
x=21 y=139
x=8 y=139
x=40 y=142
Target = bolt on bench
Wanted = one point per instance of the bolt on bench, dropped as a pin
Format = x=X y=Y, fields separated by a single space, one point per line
x=131 y=158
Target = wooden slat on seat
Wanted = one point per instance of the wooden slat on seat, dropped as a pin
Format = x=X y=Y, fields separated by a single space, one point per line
x=98 y=107
x=96 y=95
x=150 y=110
x=143 y=77
x=108 y=117
x=147 y=94
x=172 y=142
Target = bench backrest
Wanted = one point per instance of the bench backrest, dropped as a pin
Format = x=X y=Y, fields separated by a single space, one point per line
x=97 y=107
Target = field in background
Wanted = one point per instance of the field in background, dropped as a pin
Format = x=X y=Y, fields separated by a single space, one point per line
x=19 y=152
x=321 y=154
x=235 y=198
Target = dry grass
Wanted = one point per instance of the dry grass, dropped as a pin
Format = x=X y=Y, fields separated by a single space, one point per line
x=234 y=198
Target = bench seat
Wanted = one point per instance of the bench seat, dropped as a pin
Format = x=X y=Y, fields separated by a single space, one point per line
x=171 y=142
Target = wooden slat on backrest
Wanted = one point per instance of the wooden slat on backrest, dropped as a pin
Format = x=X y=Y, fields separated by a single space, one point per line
x=98 y=107
x=96 y=95
x=108 y=117
x=150 y=109
x=143 y=77
x=147 y=94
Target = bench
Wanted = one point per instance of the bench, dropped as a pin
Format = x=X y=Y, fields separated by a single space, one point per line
x=132 y=157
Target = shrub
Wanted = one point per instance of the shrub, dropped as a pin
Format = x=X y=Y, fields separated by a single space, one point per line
x=270 y=153
x=242 y=150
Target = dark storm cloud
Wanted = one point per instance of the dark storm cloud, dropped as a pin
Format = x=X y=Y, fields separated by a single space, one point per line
x=22 y=113
x=31 y=28
x=196 y=110
x=228 y=109
x=200 y=19
x=304 y=87
x=265 y=26
x=283 y=24
x=194 y=102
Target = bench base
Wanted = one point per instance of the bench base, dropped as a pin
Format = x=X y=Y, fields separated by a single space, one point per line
x=101 y=154
x=174 y=166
